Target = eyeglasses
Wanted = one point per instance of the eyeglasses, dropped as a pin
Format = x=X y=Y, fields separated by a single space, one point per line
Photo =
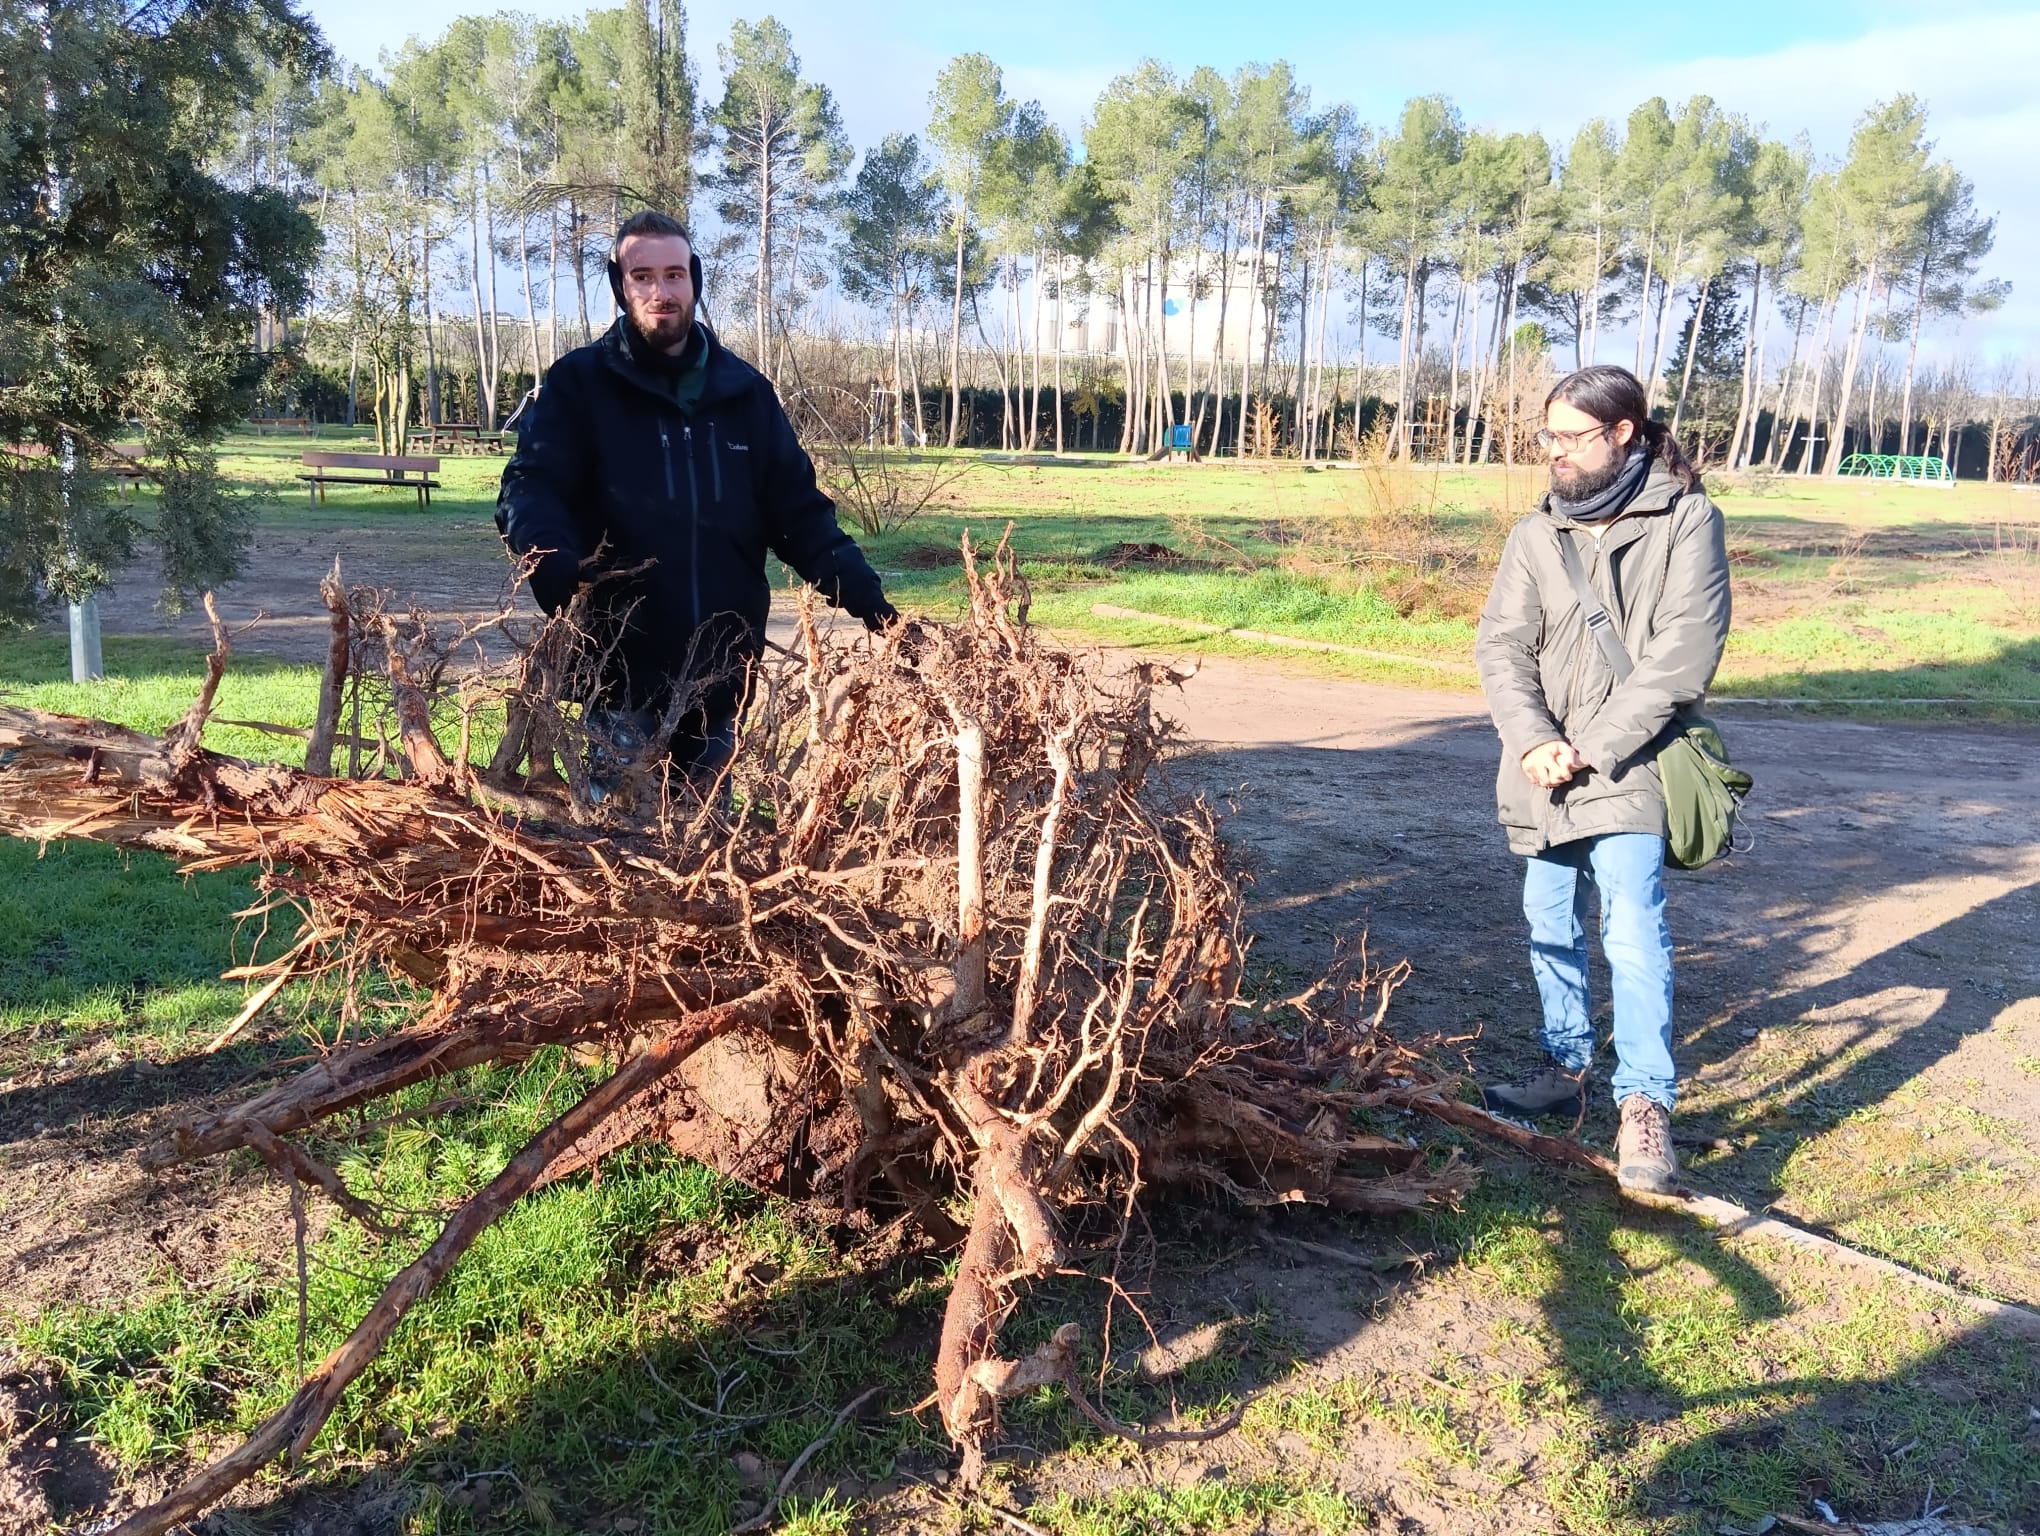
x=1567 y=442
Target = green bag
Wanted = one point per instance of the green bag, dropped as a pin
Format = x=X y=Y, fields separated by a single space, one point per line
x=1703 y=795
x=1703 y=790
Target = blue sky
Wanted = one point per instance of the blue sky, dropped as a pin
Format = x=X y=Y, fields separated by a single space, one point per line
x=1800 y=65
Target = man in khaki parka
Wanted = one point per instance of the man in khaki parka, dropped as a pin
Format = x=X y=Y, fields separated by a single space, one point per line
x=1578 y=789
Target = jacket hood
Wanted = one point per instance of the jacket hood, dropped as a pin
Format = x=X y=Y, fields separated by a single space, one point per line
x=1661 y=489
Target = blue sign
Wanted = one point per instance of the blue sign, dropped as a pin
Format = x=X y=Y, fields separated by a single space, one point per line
x=1179 y=436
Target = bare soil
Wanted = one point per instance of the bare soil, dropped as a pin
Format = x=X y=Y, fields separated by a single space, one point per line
x=1882 y=935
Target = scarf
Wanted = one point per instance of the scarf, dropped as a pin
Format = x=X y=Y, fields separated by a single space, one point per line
x=683 y=374
x=1611 y=499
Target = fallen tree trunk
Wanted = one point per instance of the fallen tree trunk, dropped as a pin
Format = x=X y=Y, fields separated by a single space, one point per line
x=936 y=930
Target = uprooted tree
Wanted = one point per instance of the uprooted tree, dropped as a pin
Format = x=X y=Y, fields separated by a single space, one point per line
x=936 y=943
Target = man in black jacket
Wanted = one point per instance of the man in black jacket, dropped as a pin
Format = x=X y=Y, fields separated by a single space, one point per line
x=659 y=468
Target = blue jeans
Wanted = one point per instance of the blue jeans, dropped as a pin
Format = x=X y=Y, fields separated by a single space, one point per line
x=1627 y=868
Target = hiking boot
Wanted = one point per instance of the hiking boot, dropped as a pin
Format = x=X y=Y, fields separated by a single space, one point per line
x=1551 y=1090
x=1643 y=1147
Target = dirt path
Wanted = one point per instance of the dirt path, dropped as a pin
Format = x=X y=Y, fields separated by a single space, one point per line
x=1884 y=931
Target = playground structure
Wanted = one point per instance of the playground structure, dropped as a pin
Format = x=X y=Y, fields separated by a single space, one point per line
x=1893 y=466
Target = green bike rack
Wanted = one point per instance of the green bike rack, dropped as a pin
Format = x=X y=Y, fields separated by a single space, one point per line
x=1893 y=466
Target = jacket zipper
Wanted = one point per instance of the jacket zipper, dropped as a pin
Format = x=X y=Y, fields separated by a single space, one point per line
x=714 y=465
x=666 y=453
x=693 y=525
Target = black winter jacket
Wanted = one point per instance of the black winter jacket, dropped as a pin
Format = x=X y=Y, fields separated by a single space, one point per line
x=698 y=498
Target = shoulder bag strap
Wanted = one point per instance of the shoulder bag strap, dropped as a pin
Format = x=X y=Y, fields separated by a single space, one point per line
x=1598 y=622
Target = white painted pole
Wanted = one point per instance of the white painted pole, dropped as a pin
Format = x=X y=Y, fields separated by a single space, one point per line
x=87 y=666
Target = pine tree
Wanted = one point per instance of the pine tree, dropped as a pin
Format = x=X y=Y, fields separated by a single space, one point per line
x=782 y=149
x=131 y=279
x=1703 y=376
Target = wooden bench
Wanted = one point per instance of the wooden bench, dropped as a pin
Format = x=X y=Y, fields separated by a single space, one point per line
x=387 y=471
x=300 y=424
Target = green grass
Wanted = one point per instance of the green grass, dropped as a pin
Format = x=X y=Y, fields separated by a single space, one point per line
x=1868 y=593
x=68 y=975
x=150 y=684
x=564 y=1347
x=1678 y=1370
x=1214 y=1506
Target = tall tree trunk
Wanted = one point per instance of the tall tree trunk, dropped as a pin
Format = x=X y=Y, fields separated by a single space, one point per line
x=1060 y=283
x=1255 y=304
x=1216 y=390
x=1452 y=395
x=1816 y=381
x=1165 y=401
x=576 y=228
x=1643 y=304
x=1034 y=346
x=913 y=347
x=956 y=335
x=1509 y=405
x=485 y=393
x=1474 y=364
x=1008 y=406
x=490 y=398
x=1593 y=315
x=431 y=346
x=761 y=296
x=1692 y=351
x=1912 y=352
x=1851 y=357
x=1127 y=351
x=1875 y=433
x=1668 y=285
x=1774 y=450
x=1752 y=367
x=552 y=285
x=1401 y=448
x=1317 y=388
x=1191 y=411
x=530 y=308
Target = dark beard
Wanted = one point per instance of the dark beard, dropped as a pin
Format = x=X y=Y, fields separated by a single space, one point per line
x=663 y=332
x=1582 y=484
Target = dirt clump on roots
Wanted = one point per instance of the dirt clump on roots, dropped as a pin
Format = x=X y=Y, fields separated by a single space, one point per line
x=937 y=938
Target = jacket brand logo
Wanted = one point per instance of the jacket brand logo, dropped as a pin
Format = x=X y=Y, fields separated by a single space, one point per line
x=736 y=447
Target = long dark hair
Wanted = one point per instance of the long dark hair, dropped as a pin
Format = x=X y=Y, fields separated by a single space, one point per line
x=1610 y=394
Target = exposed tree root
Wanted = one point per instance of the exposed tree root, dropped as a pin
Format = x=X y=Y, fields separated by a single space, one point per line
x=936 y=934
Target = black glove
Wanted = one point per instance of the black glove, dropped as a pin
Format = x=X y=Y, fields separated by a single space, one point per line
x=884 y=616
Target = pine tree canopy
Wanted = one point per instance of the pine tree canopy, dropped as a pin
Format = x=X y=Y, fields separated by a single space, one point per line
x=130 y=281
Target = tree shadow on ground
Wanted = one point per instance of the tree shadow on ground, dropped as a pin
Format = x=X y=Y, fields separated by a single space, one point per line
x=1852 y=966
x=727 y=1334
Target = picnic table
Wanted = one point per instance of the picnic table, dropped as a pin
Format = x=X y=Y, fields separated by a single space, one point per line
x=128 y=469
x=385 y=471
x=457 y=437
x=124 y=463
